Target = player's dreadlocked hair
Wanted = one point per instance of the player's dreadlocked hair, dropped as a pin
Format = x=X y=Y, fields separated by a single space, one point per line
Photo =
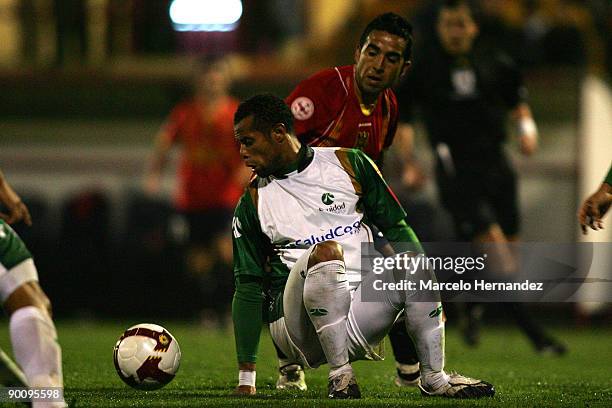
x=267 y=111
x=393 y=24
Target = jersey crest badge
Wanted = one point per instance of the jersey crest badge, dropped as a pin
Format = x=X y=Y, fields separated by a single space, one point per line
x=302 y=108
x=464 y=82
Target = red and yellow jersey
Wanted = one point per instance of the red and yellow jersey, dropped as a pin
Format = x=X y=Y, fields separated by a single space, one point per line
x=328 y=112
x=209 y=156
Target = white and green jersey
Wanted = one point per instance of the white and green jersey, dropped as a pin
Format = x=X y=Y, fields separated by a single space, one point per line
x=334 y=194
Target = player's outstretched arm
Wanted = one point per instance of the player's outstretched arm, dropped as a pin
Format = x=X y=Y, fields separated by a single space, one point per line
x=594 y=208
x=16 y=209
x=246 y=314
x=413 y=176
x=248 y=297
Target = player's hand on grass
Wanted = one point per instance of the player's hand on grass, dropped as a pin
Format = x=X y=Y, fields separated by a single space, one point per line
x=245 y=390
x=594 y=208
x=246 y=379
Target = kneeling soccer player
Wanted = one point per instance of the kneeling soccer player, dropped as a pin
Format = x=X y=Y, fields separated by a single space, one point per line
x=297 y=234
x=32 y=331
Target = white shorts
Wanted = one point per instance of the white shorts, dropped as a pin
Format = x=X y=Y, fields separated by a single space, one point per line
x=367 y=323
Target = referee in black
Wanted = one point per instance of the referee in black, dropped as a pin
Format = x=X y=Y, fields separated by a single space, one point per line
x=466 y=94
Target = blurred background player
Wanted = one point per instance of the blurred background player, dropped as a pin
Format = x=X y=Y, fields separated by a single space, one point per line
x=210 y=178
x=465 y=93
x=354 y=106
x=594 y=208
x=33 y=334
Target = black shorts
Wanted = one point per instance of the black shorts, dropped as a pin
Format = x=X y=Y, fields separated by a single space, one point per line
x=479 y=195
x=208 y=224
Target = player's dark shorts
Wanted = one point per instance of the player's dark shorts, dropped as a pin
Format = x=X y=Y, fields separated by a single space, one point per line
x=478 y=195
x=208 y=224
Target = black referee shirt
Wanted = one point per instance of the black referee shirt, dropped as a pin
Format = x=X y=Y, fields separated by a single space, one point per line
x=464 y=101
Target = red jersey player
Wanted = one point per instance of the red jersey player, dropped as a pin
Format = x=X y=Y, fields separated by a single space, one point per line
x=353 y=106
x=210 y=178
x=329 y=112
x=202 y=125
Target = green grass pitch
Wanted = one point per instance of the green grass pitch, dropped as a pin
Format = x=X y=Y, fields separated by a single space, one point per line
x=208 y=371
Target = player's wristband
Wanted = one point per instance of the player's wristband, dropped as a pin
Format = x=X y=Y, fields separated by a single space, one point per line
x=246 y=377
x=527 y=127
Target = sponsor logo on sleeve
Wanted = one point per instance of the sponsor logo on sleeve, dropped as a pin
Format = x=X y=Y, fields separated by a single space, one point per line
x=436 y=312
x=236 y=227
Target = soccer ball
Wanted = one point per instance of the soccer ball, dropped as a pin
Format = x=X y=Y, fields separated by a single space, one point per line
x=147 y=356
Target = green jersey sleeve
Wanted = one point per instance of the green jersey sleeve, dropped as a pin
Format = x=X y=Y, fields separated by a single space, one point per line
x=12 y=249
x=249 y=258
x=247 y=318
x=380 y=204
x=608 y=179
x=247 y=238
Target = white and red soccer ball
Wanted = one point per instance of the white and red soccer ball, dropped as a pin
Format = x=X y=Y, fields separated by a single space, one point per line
x=147 y=356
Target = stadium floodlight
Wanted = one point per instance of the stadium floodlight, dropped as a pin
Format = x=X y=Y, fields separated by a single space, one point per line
x=205 y=15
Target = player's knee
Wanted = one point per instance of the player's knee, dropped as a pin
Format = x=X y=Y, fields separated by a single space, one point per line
x=28 y=294
x=326 y=251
